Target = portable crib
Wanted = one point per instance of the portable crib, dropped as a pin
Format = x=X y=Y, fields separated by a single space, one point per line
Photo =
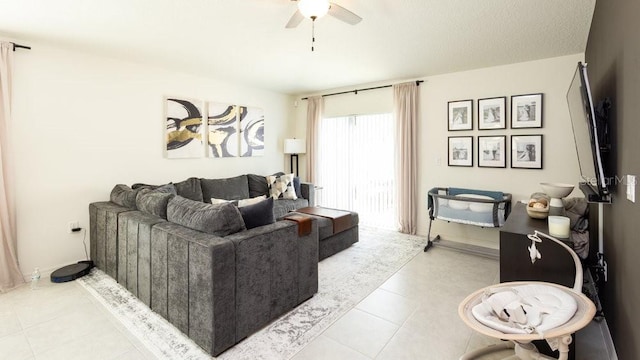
x=467 y=206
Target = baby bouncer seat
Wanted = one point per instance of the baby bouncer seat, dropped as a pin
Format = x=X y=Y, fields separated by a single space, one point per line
x=524 y=311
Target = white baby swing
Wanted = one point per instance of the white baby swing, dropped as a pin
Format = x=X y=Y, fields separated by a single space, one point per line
x=522 y=312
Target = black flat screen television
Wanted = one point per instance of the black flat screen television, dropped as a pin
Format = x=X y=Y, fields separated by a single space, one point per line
x=585 y=133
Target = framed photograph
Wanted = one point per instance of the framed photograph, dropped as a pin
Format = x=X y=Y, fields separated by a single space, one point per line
x=491 y=113
x=460 y=151
x=492 y=151
x=460 y=115
x=526 y=151
x=526 y=111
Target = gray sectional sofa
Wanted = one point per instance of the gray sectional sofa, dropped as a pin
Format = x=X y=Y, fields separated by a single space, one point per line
x=240 y=187
x=197 y=264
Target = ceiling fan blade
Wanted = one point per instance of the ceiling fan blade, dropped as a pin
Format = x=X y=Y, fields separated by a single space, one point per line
x=343 y=14
x=295 y=20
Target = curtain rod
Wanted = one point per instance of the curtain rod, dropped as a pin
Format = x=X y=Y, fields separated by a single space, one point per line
x=18 y=46
x=418 y=82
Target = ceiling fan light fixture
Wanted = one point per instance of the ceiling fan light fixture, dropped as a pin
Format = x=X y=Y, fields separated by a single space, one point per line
x=313 y=9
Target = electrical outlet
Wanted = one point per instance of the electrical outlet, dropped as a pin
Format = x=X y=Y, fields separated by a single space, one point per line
x=631 y=188
x=73 y=225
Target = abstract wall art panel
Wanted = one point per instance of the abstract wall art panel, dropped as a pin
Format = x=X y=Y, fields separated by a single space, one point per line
x=222 y=133
x=251 y=131
x=184 y=129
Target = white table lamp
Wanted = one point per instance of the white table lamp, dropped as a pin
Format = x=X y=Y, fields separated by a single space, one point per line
x=295 y=147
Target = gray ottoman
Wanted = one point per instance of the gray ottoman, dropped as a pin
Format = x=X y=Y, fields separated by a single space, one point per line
x=330 y=241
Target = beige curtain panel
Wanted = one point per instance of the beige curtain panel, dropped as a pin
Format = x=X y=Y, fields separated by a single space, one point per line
x=10 y=275
x=315 y=110
x=405 y=110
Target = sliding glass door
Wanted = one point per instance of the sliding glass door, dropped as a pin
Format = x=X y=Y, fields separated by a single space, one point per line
x=356 y=167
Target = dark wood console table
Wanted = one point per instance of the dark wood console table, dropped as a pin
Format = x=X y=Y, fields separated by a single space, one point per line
x=340 y=219
x=555 y=266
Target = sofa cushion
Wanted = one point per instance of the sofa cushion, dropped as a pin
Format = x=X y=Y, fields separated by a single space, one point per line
x=234 y=188
x=167 y=189
x=282 y=206
x=219 y=219
x=124 y=196
x=258 y=214
x=257 y=185
x=153 y=202
x=190 y=189
x=281 y=187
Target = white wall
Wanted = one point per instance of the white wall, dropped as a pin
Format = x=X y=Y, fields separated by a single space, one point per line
x=82 y=124
x=549 y=76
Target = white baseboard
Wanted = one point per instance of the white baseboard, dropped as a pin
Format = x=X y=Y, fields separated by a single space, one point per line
x=44 y=273
x=468 y=248
x=608 y=341
x=602 y=324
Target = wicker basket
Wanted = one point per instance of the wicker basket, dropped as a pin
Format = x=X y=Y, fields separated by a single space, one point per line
x=538 y=207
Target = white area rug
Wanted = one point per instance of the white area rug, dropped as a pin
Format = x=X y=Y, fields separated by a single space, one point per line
x=344 y=280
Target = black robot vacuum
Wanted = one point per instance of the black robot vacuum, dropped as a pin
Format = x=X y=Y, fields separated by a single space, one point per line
x=72 y=272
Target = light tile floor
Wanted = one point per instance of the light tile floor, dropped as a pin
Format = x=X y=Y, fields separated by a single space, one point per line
x=62 y=321
x=413 y=315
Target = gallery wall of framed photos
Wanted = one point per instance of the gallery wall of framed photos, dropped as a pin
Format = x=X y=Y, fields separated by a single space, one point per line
x=501 y=130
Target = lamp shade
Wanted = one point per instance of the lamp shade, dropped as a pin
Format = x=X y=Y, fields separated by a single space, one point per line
x=295 y=146
x=313 y=8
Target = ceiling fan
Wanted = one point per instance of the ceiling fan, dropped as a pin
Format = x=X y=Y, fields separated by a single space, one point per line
x=313 y=9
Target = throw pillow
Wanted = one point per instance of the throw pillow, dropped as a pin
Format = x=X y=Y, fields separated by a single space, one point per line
x=258 y=184
x=124 y=196
x=296 y=186
x=281 y=187
x=222 y=201
x=144 y=186
x=166 y=188
x=215 y=201
x=219 y=219
x=251 y=201
x=153 y=202
x=258 y=214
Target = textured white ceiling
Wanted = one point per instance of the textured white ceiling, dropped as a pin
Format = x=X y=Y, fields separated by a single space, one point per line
x=245 y=41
